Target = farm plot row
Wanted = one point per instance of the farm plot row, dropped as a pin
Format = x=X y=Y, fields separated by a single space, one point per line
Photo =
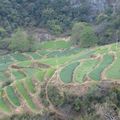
x=22 y=90
x=96 y=73
x=92 y=68
x=66 y=73
x=17 y=93
x=83 y=69
x=114 y=71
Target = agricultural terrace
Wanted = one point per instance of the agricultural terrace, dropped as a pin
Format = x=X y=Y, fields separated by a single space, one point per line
x=23 y=74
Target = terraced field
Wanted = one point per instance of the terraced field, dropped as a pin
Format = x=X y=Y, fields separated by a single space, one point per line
x=23 y=74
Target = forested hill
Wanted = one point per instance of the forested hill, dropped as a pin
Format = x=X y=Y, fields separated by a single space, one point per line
x=58 y=16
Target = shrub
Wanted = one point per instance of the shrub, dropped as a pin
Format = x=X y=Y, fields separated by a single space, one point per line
x=20 y=41
x=83 y=35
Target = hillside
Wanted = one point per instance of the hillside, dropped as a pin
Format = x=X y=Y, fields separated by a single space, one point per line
x=50 y=78
x=58 y=17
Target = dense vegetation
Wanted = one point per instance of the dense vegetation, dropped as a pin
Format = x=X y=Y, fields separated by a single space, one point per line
x=57 y=17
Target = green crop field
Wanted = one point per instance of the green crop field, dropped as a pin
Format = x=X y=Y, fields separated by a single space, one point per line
x=24 y=75
x=83 y=69
x=21 y=89
x=114 y=71
x=96 y=73
x=12 y=96
x=67 y=72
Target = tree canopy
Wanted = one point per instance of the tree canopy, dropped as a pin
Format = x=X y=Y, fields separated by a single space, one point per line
x=83 y=35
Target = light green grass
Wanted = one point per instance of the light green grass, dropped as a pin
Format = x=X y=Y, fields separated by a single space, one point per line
x=24 y=63
x=83 y=70
x=102 y=50
x=115 y=47
x=49 y=73
x=3 y=106
x=55 y=61
x=96 y=73
x=114 y=71
x=40 y=75
x=55 y=45
x=30 y=86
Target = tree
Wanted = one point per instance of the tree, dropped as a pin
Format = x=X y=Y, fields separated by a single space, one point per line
x=83 y=35
x=20 y=41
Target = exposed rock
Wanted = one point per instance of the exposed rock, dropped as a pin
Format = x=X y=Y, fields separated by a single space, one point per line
x=40 y=34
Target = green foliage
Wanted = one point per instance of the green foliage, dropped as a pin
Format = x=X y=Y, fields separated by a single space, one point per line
x=20 y=41
x=83 y=35
x=55 y=97
x=54 y=27
x=41 y=13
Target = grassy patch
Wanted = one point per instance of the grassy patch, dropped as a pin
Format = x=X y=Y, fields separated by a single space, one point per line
x=49 y=72
x=55 y=61
x=55 y=45
x=102 y=50
x=3 y=105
